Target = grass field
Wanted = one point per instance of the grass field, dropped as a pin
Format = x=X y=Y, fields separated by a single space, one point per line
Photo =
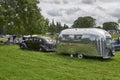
x=17 y=64
x=115 y=35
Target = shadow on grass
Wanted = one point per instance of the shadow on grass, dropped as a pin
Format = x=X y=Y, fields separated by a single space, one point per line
x=88 y=57
x=68 y=55
x=98 y=58
x=32 y=50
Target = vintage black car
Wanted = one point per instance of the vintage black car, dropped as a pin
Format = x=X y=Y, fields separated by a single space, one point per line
x=38 y=43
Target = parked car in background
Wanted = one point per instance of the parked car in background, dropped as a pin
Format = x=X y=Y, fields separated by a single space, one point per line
x=38 y=43
x=5 y=39
x=10 y=39
x=116 y=44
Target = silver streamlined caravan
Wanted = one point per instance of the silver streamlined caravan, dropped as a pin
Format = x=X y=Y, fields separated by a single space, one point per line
x=85 y=42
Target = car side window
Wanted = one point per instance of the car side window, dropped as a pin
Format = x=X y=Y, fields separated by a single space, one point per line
x=40 y=40
x=31 y=39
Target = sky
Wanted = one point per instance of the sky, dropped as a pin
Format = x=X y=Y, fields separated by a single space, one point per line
x=67 y=11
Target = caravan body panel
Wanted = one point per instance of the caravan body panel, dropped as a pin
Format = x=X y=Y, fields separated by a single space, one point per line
x=76 y=41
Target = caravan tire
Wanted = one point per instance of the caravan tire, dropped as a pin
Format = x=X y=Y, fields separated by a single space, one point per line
x=80 y=56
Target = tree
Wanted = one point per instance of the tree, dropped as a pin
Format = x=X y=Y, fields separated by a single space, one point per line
x=59 y=27
x=56 y=28
x=118 y=20
x=9 y=14
x=99 y=27
x=22 y=17
x=110 y=26
x=84 y=22
x=46 y=26
x=2 y=21
x=65 y=26
x=52 y=28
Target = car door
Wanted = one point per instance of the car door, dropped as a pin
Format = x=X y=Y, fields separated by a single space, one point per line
x=27 y=42
x=30 y=43
x=36 y=43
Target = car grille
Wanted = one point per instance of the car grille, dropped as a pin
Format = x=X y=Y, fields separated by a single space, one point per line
x=50 y=46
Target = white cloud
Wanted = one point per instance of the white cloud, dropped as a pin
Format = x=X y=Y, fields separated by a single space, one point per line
x=54 y=12
x=115 y=13
x=66 y=11
x=88 y=1
x=71 y=11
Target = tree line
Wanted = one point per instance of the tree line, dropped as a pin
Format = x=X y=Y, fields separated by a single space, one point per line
x=56 y=27
x=24 y=17
x=89 y=22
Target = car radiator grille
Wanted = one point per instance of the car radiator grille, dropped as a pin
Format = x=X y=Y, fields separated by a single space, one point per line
x=50 y=46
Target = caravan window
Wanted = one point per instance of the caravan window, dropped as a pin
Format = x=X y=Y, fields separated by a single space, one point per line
x=89 y=36
x=108 y=41
x=85 y=36
x=64 y=37
x=77 y=37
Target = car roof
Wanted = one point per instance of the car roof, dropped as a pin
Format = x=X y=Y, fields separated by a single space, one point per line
x=44 y=37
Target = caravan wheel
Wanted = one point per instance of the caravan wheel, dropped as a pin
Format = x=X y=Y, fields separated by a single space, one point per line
x=80 y=56
x=71 y=55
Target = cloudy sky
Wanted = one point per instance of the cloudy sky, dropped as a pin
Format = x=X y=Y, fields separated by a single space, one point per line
x=66 y=11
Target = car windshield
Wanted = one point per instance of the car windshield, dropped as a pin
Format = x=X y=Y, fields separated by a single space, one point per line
x=48 y=39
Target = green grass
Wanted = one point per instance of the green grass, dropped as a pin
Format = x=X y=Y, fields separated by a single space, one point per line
x=17 y=64
x=115 y=35
x=1 y=39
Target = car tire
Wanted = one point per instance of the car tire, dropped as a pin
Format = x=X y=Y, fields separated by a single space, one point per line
x=23 y=46
x=40 y=49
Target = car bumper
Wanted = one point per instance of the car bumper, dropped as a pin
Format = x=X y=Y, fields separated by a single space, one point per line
x=117 y=47
x=50 y=50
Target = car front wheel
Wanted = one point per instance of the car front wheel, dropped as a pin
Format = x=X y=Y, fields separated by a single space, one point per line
x=23 y=46
x=41 y=49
